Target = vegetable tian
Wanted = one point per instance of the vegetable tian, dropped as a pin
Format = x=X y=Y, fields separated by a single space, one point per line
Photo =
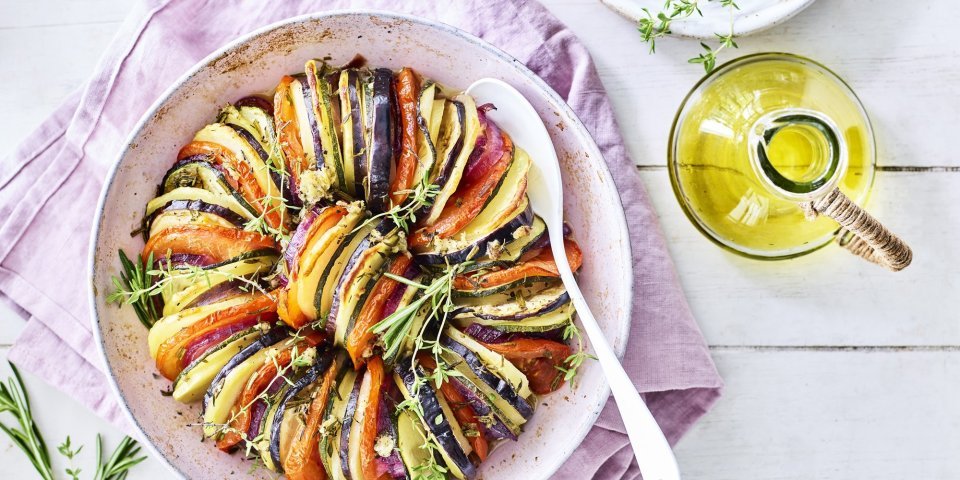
x=348 y=277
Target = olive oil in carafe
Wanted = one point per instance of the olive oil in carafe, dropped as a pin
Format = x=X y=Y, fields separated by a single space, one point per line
x=711 y=166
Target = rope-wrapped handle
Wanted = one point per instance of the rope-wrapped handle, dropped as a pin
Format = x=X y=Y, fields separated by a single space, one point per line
x=861 y=233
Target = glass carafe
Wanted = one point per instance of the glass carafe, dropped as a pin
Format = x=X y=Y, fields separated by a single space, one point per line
x=769 y=157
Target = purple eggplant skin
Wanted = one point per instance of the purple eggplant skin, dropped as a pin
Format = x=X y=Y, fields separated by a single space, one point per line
x=218 y=293
x=479 y=248
x=346 y=426
x=280 y=179
x=299 y=238
x=499 y=385
x=198 y=206
x=314 y=373
x=446 y=169
x=485 y=334
x=431 y=409
x=359 y=140
x=557 y=302
x=496 y=430
x=257 y=102
x=311 y=118
x=383 y=228
x=273 y=336
x=201 y=161
x=382 y=141
x=180 y=260
x=392 y=464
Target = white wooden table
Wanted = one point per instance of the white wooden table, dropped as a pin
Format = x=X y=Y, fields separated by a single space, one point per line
x=834 y=368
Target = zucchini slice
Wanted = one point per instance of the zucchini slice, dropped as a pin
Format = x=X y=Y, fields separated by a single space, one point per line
x=194 y=380
x=248 y=267
x=437 y=419
x=236 y=205
x=496 y=364
x=353 y=134
x=516 y=306
x=169 y=325
x=327 y=114
x=454 y=158
x=509 y=252
x=332 y=429
x=226 y=387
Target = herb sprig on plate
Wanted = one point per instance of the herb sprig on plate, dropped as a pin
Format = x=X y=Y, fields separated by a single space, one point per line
x=655 y=26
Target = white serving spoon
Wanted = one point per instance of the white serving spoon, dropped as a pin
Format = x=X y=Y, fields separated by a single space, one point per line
x=515 y=115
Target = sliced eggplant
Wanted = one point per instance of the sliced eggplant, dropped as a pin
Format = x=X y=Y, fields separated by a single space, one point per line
x=381 y=142
x=184 y=291
x=546 y=322
x=362 y=270
x=227 y=137
x=437 y=418
x=332 y=429
x=504 y=254
x=353 y=129
x=292 y=405
x=316 y=263
x=225 y=388
x=427 y=151
x=493 y=426
x=515 y=306
x=476 y=238
x=353 y=428
x=193 y=382
x=191 y=212
x=301 y=96
x=496 y=374
x=234 y=203
x=454 y=153
x=326 y=111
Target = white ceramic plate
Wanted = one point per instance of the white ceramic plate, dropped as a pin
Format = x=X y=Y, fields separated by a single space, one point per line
x=753 y=15
x=254 y=64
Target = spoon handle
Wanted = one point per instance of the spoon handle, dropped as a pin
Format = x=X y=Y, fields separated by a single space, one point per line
x=654 y=456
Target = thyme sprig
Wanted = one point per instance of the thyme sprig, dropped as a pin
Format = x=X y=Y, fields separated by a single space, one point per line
x=14 y=400
x=575 y=360
x=655 y=26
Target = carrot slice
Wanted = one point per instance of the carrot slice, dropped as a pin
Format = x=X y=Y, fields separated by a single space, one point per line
x=241 y=414
x=214 y=241
x=408 y=87
x=538 y=359
x=303 y=458
x=368 y=432
x=288 y=130
x=466 y=203
x=170 y=353
x=243 y=177
x=541 y=265
x=361 y=338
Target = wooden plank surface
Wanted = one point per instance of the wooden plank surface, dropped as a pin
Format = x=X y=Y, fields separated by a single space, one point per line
x=835 y=369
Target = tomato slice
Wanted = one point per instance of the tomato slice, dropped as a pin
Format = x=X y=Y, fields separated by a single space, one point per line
x=368 y=432
x=261 y=308
x=465 y=414
x=241 y=414
x=541 y=265
x=288 y=130
x=243 y=177
x=213 y=241
x=538 y=359
x=361 y=338
x=408 y=88
x=303 y=458
x=466 y=203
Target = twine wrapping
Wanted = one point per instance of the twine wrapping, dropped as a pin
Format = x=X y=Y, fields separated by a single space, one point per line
x=861 y=233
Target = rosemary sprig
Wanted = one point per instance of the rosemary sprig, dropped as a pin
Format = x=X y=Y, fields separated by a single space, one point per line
x=656 y=26
x=14 y=400
x=133 y=285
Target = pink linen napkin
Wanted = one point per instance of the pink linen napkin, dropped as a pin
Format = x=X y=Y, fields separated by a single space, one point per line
x=49 y=187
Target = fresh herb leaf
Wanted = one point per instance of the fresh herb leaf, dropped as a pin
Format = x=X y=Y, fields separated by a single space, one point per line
x=654 y=26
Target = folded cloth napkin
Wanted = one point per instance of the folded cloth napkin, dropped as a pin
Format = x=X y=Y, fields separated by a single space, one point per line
x=50 y=184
